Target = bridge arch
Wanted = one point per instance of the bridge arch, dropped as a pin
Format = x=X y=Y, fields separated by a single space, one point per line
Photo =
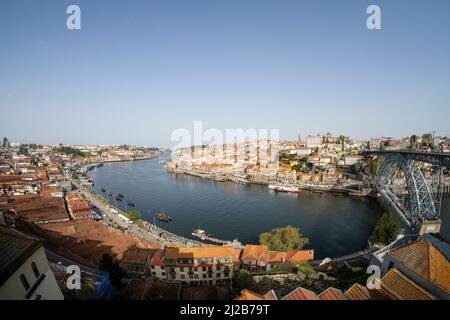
x=421 y=205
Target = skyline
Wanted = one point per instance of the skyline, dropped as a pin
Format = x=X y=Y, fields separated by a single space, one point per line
x=134 y=74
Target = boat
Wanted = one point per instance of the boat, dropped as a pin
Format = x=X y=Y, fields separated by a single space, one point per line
x=103 y=190
x=241 y=181
x=119 y=195
x=289 y=189
x=130 y=203
x=119 y=198
x=163 y=217
x=202 y=234
x=220 y=179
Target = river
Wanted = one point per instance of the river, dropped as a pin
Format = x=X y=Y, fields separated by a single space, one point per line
x=335 y=224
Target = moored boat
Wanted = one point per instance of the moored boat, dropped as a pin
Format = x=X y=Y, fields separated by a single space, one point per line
x=289 y=189
x=130 y=203
x=163 y=217
x=202 y=234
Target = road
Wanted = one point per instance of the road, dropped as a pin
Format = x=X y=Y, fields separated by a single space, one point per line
x=150 y=232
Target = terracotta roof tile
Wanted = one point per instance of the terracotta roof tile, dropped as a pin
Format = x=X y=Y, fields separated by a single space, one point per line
x=400 y=287
x=301 y=294
x=250 y=295
x=357 y=292
x=299 y=256
x=199 y=252
x=426 y=260
x=332 y=294
x=254 y=252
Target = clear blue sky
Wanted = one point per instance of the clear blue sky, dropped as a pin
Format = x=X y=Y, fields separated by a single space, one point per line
x=137 y=70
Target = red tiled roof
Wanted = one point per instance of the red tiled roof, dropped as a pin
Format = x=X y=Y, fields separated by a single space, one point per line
x=400 y=287
x=424 y=259
x=157 y=259
x=254 y=252
x=299 y=256
x=301 y=294
x=332 y=294
x=250 y=295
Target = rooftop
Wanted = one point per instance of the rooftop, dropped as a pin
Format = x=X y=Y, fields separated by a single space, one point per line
x=424 y=259
x=199 y=252
x=250 y=295
x=15 y=249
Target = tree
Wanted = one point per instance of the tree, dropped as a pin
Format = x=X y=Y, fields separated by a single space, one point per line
x=343 y=139
x=115 y=271
x=282 y=239
x=427 y=139
x=242 y=280
x=373 y=163
x=386 y=229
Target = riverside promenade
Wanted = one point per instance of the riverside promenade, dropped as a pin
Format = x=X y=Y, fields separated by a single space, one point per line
x=147 y=232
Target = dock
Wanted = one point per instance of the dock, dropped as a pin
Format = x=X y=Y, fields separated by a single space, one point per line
x=233 y=243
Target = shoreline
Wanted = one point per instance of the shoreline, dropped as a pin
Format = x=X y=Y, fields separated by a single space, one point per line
x=320 y=189
x=312 y=188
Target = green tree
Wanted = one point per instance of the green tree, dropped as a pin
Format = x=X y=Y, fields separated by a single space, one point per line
x=115 y=271
x=373 y=163
x=132 y=215
x=282 y=239
x=427 y=139
x=306 y=268
x=386 y=229
x=242 y=280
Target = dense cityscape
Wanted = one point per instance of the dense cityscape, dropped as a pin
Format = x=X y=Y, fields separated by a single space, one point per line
x=53 y=218
x=216 y=159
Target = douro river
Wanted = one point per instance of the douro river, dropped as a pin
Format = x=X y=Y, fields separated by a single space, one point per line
x=335 y=224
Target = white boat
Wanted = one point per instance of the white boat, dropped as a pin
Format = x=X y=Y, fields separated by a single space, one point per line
x=202 y=234
x=289 y=189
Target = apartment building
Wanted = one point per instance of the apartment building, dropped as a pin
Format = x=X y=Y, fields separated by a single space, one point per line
x=206 y=265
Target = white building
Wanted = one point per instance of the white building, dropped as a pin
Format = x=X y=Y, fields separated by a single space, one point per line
x=314 y=141
x=25 y=273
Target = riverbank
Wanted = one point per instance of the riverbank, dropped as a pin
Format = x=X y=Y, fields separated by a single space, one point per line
x=336 y=225
x=363 y=192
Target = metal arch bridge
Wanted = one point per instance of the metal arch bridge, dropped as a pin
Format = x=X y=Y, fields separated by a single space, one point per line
x=421 y=205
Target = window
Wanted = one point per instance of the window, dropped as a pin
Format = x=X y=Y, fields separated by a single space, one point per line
x=24 y=281
x=35 y=269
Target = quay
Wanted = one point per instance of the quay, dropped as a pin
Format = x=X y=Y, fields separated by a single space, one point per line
x=149 y=232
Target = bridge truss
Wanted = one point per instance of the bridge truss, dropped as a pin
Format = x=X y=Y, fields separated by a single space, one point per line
x=424 y=199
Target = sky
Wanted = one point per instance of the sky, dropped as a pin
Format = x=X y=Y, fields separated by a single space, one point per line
x=137 y=71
